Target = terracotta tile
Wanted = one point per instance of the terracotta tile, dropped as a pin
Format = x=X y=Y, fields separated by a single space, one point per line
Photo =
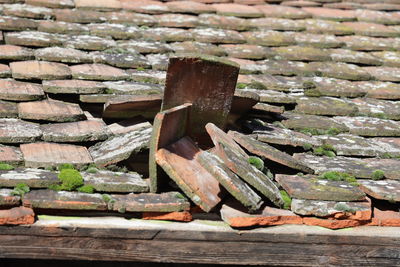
x=120 y=147
x=34 y=178
x=27 y=11
x=300 y=53
x=210 y=35
x=17 y=216
x=384 y=189
x=116 y=31
x=388 y=74
x=88 y=42
x=65 y=55
x=340 y=71
x=180 y=216
x=18 y=131
x=73 y=87
x=17 y=24
x=224 y=22
x=126 y=126
x=343 y=5
x=130 y=18
x=121 y=60
x=52 y=3
x=97 y=72
x=20 y=91
x=246 y=51
x=278 y=83
x=382 y=6
x=168 y=127
x=62 y=200
x=5 y=71
x=299 y=122
x=133 y=88
x=99 y=5
x=50 y=110
x=39 y=70
x=235 y=216
x=313 y=188
x=145 y=6
x=123 y=107
x=50 y=154
x=12 y=52
x=277 y=11
x=144 y=47
x=364 y=43
x=180 y=162
x=149 y=202
x=96 y=98
x=360 y=211
x=167 y=34
x=269 y=38
x=349 y=56
x=189 y=7
x=320 y=26
x=390 y=59
x=237 y=10
x=389 y=18
x=177 y=20
x=365 y=126
x=378 y=108
x=333 y=224
x=62 y=27
x=326 y=106
x=383 y=217
x=275 y=97
x=249 y=2
x=300 y=3
x=266 y=151
x=331 y=14
x=316 y=40
x=37 y=39
x=372 y=29
x=148 y=76
x=277 y=24
x=337 y=87
x=11 y=155
x=78 y=16
x=7 y=199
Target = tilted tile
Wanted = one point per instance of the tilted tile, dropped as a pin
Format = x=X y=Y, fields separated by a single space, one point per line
x=180 y=216
x=99 y=5
x=18 y=131
x=62 y=27
x=27 y=11
x=41 y=70
x=237 y=10
x=7 y=199
x=116 y=31
x=13 y=52
x=97 y=72
x=89 y=42
x=96 y=98
x=372 y=29
x=79 y=16
x=189 y=7
x=300 y=53
x=177 y=20
x=17 y=216
x=39 y=155
x=81 y=131
x=385 y=189
x=144 y=47
x=269 y=152
x=326 y=106
x=11 y=155
x=147 y=6
x=73 y=87
x=340 y=210
x=197 y=47
x=64 y=55
x=120 y=147
x=367 y=126
x=17 y=24
x=388 y=74
x=34 y=178
x=269 y=38
x=365 y=43
x=37 y=39
x=277 y=24
x=339 y=70
x=224 y=22
x=390 y=59
x=313 y=188
x=116 y=182
x=149 y=202
x=303 y=122
x=319 y=26
x=20 y=91
x=50 y=110
x=335 y=87
x=331 y=14
x=134 y=88
x=349 y=56
x=63 y=200
x=129 y=60
x=5 y=71
x=209 y=35
x=269 y=108
x=277 y=11
x=378 y=16
x=378 y=108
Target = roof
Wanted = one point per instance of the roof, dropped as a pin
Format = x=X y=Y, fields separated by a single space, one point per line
x=325 y=73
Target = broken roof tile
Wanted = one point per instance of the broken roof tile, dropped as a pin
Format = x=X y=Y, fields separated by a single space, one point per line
x=17 y=24
x=237 y=10
x=145 y=6
x=97 y=72
x=64 y=55
x=98 y=5
x=63 y=200
x=11 y=155
x=51 y=3
x=388 y=74
x=17 y=216
x=20 y=91
x=50 y=154
x=384 y=189
x=115 y=182
x=34 y=178
x=223 y=22
x=120 y=147
x=189 y=7
x=313 y=188
x=211 y=35
x=73 y=87
x=278 y=11
x=13 y=52
x=62 y=27
x=326 y=106
x=18 y=131
x=42 y=70
x=50 y=110
x=81 y=131
x=372 y=29
x=383 y=217
x=331 y=14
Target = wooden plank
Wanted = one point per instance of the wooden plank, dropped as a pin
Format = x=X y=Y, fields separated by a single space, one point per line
x=208 y=83
x=168 y=127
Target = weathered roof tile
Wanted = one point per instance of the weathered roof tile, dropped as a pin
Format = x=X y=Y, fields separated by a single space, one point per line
x=5 y=71
x=34 y=178
x=177 y=20
x=387 y=74
x=33 y=38
x=277 y=24
x=217 y=36
x=269 y=38
x=167 y=34
x=73 y=87
x=62 y=27
x=378 y=16
x=339 y=70
x=17 y=24
x=364 y=43
x=189 y=7
x=349 y=56
x=301 y=53
x=326 y=106
x=97 y=72
x=145 y=6
x=18 y=131
x=327 y=27
x=385 y=189
x=41 y=70
x=99 y=5
x=116 y=31
x=88 y=42
x=316 y=40
x=27 y=11
x=367 y=126
x=20 y=91
x=197 y=47
x=237 y=10
x=51 y=3
x=144 y=47
x=121 y=60
x=79 y=16
x=331 y=14
x=222 y=22
x=390 y=59
x=304 y=122
x=13 y=52
x=11 y=155
x=283 y=12
x=372 y=29
x=65 y=55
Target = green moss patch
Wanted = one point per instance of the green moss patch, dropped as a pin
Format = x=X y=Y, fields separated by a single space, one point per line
x=6 y=167
x=20 y=190
x=378 y=175
x=256 y=162
x=286 y=199
x=339 y=176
